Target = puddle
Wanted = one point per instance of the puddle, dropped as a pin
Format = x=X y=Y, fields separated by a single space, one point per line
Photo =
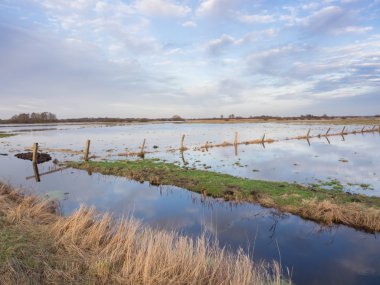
x=338 y=255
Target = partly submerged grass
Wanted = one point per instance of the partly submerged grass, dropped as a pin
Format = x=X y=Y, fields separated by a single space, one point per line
x=38 y=246
x=3 y=135
x=315 y=203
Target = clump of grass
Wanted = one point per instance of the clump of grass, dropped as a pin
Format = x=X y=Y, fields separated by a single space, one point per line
x=288 y=197
x=38 y=246
x=4 y=135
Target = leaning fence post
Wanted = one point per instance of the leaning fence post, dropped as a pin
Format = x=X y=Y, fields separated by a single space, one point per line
x=35 y=149
x=363 y=129
x=263 y=139
x=342 y=132
x=327 y=131
x=308 y=133
x=87 y=150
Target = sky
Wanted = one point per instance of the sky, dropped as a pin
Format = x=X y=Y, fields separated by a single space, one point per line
x=193 y=58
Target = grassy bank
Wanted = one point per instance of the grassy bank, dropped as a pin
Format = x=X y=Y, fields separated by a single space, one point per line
x=314 y=202
x=38 y=246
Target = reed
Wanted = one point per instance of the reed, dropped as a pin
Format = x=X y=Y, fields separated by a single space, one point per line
x=38 y=246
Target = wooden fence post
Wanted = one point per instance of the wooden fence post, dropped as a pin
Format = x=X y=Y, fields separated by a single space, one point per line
x=87 y=150
x=308 y=133
x=263 y=139
x=236 y=138
x=142 y=149
x=342 y=132
x=35 y=149
x=327 y=131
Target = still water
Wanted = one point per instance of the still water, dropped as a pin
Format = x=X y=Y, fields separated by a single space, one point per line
x=315 y=255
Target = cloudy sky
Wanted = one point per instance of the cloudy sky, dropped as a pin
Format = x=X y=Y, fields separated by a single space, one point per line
x=195 y=58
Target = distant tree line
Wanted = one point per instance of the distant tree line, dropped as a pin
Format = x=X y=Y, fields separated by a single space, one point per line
x=44 y=117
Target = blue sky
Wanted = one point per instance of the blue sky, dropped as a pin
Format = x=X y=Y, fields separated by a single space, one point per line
x=200 y=58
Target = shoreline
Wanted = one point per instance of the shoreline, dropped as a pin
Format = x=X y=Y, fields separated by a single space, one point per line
x=313 y=203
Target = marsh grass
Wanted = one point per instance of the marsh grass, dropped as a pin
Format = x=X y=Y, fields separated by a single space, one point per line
x=360 y=211
x=4 y=135
x=38 y=246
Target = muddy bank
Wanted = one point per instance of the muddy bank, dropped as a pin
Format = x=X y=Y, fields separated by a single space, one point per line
x=41 y=157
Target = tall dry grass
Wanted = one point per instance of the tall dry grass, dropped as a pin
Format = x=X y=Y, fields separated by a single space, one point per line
x=90 y=248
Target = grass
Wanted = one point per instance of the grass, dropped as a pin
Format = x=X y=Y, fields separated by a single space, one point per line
x=3 y=135
x=327 y=206
x=38 y=246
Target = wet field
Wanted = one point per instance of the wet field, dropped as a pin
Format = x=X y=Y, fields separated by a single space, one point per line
x=314 y=254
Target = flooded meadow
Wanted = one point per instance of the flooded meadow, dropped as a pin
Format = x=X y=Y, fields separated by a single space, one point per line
x=313 y=253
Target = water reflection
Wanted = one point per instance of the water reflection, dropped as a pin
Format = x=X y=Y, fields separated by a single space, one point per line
x=345 y=256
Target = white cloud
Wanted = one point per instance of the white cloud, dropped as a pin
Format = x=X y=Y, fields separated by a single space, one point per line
x=330 y=19
x=217 y=45
x=353 y=29
x=256 y=18
x=189 y=24
x=214 y=7
x=162 y=8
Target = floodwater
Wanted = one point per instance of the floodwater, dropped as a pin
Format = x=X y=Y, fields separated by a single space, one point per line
x=314 y=254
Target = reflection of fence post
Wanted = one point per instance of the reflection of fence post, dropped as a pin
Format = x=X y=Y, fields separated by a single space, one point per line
x=87 y=150
x=35 y=149
x=236 y=138
x=182 y=148
x=36 y=173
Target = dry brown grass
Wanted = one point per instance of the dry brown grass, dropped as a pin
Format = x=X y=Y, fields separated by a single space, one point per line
x=89 y=248
x=354 y=214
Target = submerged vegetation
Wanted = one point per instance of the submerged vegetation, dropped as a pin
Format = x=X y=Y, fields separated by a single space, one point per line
x=3 y=135
x=38 y=246
x=311 y=202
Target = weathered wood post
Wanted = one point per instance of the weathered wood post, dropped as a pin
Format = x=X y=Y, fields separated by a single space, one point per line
x=142 y=153
x=87 y=150
x=263 y=139
x=363 y=129
x=327 y=132
x=182 y=148
x=308 y=133
x=236 y=139
x=35 y=149
x=342 y=132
